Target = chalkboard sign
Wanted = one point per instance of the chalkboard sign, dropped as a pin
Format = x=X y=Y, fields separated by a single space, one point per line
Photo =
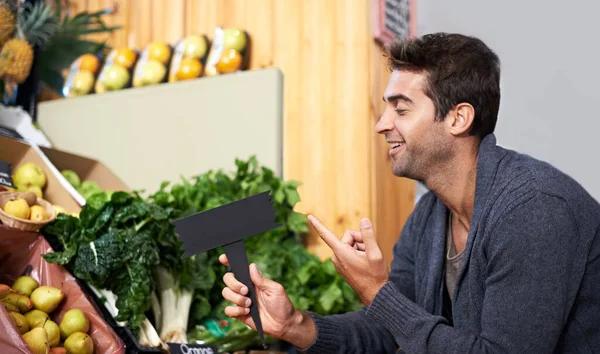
x=393 y=19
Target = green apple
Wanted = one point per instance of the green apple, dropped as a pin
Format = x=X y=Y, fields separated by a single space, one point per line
x=233 y=38
x=115 y=77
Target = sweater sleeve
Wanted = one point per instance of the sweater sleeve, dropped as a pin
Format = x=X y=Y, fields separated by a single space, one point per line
x=533 y=266
x=354 y=332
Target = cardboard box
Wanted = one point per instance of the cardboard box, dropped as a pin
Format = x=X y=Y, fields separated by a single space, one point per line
x=17 y=152
x=88 y=169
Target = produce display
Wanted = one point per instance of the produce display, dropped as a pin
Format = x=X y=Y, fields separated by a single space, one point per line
x=31 y=307
x=82 y=76
x=189 y=58
x=86 y=188
x=229 y=51
x=125 y=248
x=151 y=69
x=117 y=70
x=35 y=26
x=26 y=207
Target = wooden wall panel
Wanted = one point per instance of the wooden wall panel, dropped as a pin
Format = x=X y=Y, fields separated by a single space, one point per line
x=332 y=70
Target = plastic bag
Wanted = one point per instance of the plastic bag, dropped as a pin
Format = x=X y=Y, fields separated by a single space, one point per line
x=229 y=52
x=82 y=76
x=153 y=65
x=20 y=253
x=117 y=70
x=189 y=58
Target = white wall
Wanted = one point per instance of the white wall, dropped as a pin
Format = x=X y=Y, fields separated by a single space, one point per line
x=550 y=58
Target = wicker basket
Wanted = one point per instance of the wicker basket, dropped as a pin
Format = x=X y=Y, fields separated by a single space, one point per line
x=24 y=224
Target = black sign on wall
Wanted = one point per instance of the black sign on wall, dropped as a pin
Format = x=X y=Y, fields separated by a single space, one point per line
x=393 y=19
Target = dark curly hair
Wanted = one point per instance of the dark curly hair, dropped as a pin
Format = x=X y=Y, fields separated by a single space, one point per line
x=458 y=68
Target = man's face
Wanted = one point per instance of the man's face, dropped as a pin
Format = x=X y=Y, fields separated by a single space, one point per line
x=418 y=143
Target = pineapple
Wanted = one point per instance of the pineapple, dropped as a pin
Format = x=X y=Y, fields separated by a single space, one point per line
x=7 y=20
x=36 y=25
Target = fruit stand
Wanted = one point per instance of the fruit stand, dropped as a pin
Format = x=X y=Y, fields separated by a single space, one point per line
x=137 y=138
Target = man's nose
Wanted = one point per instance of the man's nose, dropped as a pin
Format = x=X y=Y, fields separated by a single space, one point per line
x=385 y=123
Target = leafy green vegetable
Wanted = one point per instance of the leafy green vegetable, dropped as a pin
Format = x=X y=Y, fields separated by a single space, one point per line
x=114 y=245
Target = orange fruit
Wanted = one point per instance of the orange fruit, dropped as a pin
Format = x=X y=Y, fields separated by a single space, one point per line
x=190 y=68
x=159 y=51
x=89 y=62
x=230 y=61
x=125 y=57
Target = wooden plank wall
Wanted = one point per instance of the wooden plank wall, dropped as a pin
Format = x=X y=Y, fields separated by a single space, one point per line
x=334 y=78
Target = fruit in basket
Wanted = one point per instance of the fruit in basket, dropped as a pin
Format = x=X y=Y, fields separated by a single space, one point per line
x=82 y=83
x=195 y=46
x=53 y=332
x=30 y=197
x=18 y=208
x=159 y=51
x=36 y=318
x=190 y=68
x=230 y=61
x=38 y=213
x=25 y=285
x=234 y=38
x=35 y=26
x=72 y=177
x=125 y=57
x=73 y=321
x=29 y=174
x=37 y=340
x=20 y=322
x=115 y=77
x=79 y=343
x=47 y=298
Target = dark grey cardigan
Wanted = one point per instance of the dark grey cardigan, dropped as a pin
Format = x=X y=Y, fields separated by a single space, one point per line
x=529 y=283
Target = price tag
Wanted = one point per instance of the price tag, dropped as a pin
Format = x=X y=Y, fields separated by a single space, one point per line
x=182 y=348
x=5 y=173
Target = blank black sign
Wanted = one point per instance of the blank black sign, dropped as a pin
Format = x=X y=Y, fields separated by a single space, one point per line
x=397 y=17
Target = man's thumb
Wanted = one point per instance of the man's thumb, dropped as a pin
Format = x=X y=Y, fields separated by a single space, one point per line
x=258 y=279
x=366 y=230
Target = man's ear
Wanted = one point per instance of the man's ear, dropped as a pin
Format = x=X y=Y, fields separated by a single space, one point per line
x=461 y=119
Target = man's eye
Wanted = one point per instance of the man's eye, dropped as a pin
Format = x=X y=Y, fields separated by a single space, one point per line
x=400 y=111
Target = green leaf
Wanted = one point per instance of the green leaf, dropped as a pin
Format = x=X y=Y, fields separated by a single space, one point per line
x=292 y=196
x=330 y=296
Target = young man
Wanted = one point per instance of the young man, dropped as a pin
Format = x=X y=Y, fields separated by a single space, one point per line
x=502 y=255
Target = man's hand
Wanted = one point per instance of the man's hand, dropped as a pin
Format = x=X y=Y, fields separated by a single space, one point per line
x=277 y=313
x=357 y=258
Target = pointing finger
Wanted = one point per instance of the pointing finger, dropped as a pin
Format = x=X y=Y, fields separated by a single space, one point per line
x=330 y=239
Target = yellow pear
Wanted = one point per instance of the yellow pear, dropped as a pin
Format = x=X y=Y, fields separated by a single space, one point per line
x=37 y=340
x=20 y=322
x=79 y=343
x=73 y=321
x=47 y=298
x=20 y=301
x=18 y=208
x=36 y=318
x=38 y=213
x=25 y=285
x=29 y=174
x=53 y=333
